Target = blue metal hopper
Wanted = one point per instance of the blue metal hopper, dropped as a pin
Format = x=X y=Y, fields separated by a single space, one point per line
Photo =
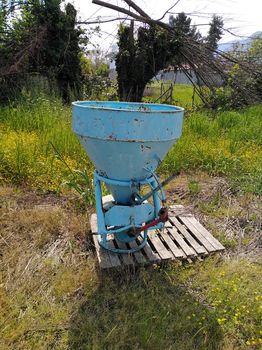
x=126 y=142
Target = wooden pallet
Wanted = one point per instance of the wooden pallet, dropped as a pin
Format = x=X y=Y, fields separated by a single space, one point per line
x=183 y=238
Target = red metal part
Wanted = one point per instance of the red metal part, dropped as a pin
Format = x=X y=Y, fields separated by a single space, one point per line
x=163 y=217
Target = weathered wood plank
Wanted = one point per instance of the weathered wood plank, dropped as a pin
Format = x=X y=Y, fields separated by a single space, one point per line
x=108 y=202
x=177 y=252
x=201 y=238
x=115 y=261
x=151 y=255
x=206 y=233
x=93 y=223
x=178 y=209
x=102 y=255
x=182 y=229
x=182 y=243
x=106 y=259
x=140 y=258
x=126 y=257
x=159 y=246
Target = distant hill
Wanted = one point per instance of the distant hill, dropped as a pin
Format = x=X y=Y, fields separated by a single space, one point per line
x=243 y=43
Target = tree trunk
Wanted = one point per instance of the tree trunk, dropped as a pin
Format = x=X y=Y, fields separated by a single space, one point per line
x=131 y=92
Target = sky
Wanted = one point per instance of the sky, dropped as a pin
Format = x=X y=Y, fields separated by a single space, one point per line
x=242 y=17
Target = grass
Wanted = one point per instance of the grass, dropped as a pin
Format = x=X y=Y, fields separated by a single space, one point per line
x=228 y=144
x=238 y=309
x=182 y=94
x=53 y=296
x=38 y=147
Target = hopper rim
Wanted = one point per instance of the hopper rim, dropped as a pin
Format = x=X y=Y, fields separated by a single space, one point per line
x=88 y=105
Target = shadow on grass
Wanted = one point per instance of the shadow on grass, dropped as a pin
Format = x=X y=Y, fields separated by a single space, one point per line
x=143 y=310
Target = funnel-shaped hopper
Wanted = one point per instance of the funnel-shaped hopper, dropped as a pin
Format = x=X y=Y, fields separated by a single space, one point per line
x=126 y=140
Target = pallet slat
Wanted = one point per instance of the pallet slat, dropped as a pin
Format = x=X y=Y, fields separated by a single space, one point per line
x=207 y=234
x=138 y=255
x=178 y=252
x=159 y=246
x=176 y=210
x=106 y=259
x=198 y=248
x=93 y=223
x=127 y=257
x=208 y=245
x=150 y=254
x=179 y=239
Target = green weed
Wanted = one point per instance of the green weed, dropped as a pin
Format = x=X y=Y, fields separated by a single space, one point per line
x=82 y=184
x=194 y=187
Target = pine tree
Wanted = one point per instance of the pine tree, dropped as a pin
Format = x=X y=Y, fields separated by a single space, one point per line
x=215 y=32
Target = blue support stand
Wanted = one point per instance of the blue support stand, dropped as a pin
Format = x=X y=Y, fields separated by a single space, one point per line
x=121 y=233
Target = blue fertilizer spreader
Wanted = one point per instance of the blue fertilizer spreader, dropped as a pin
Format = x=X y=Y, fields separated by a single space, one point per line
x=126 y=142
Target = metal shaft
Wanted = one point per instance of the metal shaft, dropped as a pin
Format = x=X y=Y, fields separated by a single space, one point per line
x=149 y=194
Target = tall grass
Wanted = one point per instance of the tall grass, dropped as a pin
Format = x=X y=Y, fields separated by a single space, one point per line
x=235 y=297
x=38 y=147
x=227 y=144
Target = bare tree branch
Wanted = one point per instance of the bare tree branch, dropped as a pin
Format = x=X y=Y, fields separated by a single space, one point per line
x=136 y=8
x=132 y=14
x=167 y=11
x=163 y=25
x=98 y=21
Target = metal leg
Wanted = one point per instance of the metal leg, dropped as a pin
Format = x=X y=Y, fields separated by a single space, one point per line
x=157 y=203
x=99 y=211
